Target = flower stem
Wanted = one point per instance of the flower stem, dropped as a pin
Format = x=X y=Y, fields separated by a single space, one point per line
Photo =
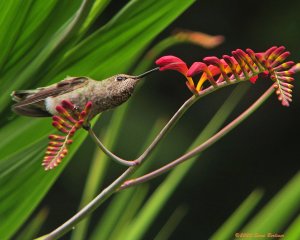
x=188 y=103
x=107 y=152
x=107 y=192
x=203 y=146
x=120 y=183
x=90 y=207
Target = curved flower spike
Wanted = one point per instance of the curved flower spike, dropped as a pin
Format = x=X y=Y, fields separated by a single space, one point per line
x=174 y=63
x=68 y=121
x=241 y=66
x=249 y=65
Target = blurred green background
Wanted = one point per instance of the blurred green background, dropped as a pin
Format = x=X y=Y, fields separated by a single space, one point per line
x=260 y=153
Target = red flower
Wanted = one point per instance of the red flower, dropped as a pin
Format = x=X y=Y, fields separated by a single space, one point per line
x=175 y=63
x=241 y=66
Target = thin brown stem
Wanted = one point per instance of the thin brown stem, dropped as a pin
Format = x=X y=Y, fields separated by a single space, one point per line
x=109 y=153
x=108 y=191
x=90 y=207
x=163 y=132
x=120 y=183
x=157 y=139
x=167 y=127
x=203 y=146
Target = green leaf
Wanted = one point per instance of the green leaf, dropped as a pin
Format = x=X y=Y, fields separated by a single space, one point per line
x=293 y=232
x=98 y=7
x=23 y=181
x=238 y=217
x=121 y=35
x=33 y=227
x=123 y=206
x=172 y=223
x=34 y=27
x=279 y=211
x=59 y=38
x=9 y=11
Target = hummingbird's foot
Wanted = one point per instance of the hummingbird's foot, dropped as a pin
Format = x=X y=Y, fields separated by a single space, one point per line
x=76 y=109
x=86 y=126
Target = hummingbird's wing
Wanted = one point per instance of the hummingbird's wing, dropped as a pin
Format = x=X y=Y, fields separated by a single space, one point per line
x=32 y=102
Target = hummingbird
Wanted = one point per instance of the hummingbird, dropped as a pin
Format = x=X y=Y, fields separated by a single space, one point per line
x=104 y=95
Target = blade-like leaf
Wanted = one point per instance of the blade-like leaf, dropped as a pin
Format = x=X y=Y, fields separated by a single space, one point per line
x=235 y=221
x=172 y=223
x=33 y=29
x=294 y=231
x=33 y=227
x=58 y=39
x=279 y=211
x=23 y=181
x=24 y=186
x=128 y=26
x=9 y=35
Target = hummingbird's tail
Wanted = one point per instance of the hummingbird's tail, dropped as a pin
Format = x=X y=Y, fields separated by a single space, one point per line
x=30 y=110
x=20 y=95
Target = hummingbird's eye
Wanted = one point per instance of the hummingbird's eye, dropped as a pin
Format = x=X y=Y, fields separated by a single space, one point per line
x=120 y=78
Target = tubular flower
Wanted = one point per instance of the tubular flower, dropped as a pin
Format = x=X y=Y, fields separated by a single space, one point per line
x=249 y=65
x=175 y=63
x=241 y=66
x=68 y=121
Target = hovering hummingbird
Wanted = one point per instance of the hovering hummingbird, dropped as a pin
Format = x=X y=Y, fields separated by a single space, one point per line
x=104 y=95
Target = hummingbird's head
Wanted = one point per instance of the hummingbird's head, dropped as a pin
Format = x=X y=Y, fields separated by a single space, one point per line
x=124 y=84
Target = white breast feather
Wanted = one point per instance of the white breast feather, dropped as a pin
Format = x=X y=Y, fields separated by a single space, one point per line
x=50 y=105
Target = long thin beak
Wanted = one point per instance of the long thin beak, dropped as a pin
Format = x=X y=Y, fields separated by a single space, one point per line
x=146 y=73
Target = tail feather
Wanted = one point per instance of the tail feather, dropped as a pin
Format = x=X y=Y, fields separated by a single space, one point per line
x=31 y=110
x=20 y=95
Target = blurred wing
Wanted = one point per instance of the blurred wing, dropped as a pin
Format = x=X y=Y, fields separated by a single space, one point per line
x=31 y=102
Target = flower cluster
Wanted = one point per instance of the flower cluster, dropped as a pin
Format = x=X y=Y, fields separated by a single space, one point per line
x=68 y=121
x=241 y=66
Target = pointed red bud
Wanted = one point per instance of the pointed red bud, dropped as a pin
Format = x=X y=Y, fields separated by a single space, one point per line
x=67 y=104
x=269 y=51
x=88 y=106
x=253 y=79
x=65 y=113
x=56 y=137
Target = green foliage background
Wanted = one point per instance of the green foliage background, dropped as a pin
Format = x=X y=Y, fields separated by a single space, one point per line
x=42 y=42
